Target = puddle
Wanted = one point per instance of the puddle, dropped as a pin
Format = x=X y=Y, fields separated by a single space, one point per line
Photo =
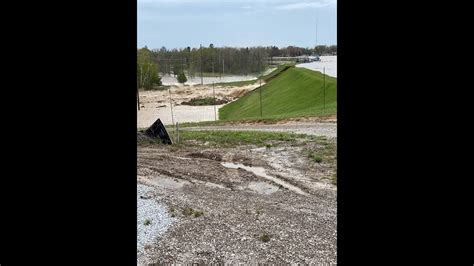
x=260 y=171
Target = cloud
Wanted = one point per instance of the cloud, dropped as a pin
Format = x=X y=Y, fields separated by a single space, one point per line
x=304 y=5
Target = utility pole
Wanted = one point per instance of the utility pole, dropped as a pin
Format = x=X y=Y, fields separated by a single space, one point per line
x=260 y=89
x=220 y=78
x=324 y=88
x=200 y=48
x=171 y=106
x=214 y=94
x=316 y=43
x=138 y=97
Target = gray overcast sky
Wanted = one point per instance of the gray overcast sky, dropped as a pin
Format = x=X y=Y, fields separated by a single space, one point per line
x=181 y=23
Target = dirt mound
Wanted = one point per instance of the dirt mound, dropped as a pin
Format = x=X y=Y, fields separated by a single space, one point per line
x=206 y=101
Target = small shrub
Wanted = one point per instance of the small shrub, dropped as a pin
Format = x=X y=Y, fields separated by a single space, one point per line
x=264 y=238
x=197 y=214
x=182 y=78
x=317 y=159
x=147 y=222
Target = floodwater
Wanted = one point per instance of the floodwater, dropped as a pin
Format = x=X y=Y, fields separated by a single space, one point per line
x=171 y=80
x=327 y=64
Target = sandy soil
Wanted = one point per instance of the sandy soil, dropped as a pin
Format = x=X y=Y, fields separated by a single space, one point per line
x=239 y=205
x=156 y=104
x=329 y=62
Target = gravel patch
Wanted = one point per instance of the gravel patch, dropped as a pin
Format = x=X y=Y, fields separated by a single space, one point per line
x=152 y=220
x=312 y=128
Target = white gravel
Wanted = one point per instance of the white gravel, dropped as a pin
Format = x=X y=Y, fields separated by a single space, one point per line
x=149 y=209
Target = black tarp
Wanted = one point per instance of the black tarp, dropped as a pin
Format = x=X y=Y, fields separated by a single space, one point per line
x=158 y=130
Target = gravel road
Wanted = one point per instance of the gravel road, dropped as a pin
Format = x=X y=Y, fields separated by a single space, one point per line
x=327 y=129
x=152 y=220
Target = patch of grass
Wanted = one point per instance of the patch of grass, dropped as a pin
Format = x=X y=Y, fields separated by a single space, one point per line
x=191 y=212
x=264 y=120
x=334 y=179
x=171 y=209
x=188 y=211
x=147 y=222
x=198 y=214
x=229 y=138
x=316 y=158
x=295 y=92
x=264 y=238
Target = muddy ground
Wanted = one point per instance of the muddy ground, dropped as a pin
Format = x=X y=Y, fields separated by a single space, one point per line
x=245 y=204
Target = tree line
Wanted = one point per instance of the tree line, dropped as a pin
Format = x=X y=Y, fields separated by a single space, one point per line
x=215 y=60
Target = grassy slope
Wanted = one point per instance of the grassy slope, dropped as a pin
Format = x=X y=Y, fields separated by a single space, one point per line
x=295 y=92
